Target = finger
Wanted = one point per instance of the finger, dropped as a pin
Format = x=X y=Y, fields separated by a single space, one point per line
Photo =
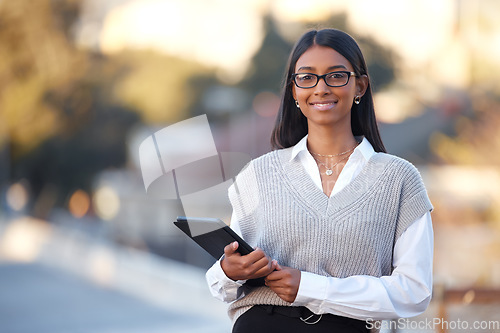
x=230 y=249
x=262 y=262
x=272 y=265
x=263 y=266
x=277 y=287
x=256 y=255
x=280 y=290
x=275 y=276
x=263 y=272
x=258 y=259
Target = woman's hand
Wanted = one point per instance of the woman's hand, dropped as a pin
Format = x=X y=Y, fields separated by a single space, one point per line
x=284 y=281
x=251 y=266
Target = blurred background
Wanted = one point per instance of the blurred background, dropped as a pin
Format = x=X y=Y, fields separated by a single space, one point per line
x=84 y=248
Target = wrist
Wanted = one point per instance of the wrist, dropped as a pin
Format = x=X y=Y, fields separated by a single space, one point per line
x=226 y=277
x=224 y=268
x=312 y=289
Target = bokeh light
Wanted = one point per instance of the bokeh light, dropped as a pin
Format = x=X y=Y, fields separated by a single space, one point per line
x=23 y=239
x=106 y=203
x=79 y=203
x=17 y=196
x=102 y=266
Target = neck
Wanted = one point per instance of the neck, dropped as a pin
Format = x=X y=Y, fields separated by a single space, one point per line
x=328 y=141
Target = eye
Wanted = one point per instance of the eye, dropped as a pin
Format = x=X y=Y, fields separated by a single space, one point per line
x=336 y=75
x=305 y=77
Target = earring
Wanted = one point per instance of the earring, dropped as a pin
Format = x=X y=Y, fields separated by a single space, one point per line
x=297 y=104
x=357 y=99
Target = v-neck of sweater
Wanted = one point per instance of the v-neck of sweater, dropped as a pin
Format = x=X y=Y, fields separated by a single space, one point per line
x=300 y=183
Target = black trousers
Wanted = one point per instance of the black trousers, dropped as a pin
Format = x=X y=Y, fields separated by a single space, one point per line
x=277 y=319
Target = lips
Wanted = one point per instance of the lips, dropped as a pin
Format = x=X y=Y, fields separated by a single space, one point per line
x=323 y=105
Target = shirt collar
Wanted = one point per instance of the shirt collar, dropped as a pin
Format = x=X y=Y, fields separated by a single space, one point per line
x=363 y=150
x=301 y=146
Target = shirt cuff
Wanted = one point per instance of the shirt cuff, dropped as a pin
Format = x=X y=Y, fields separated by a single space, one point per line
x=312 y=290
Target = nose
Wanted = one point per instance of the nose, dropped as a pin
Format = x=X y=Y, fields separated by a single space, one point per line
x=322 y=88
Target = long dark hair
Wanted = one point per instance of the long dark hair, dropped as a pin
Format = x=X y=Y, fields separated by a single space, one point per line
x=291 y=124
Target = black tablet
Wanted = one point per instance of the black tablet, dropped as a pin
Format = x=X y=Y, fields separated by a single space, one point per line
x=211 y=234
x=214 y=235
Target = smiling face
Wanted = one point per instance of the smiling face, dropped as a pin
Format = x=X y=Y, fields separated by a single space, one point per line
x=323 y=105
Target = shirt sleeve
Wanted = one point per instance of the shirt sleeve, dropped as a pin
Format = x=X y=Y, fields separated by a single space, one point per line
x=222 y=287
x=405 y=293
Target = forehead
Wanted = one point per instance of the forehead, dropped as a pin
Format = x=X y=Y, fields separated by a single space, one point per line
x=320 y=58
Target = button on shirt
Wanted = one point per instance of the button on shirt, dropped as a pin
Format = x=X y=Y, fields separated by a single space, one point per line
x=405 y=293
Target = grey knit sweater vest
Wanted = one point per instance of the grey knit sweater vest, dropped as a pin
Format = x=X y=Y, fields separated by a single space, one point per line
x=350 y=233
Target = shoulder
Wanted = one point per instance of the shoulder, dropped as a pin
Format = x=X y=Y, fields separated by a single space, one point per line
x=406 y=182
x=400 y=172
x=274 y=155
x=395 y=164
x=259 y=168
x=263 y=166
x=262 y=163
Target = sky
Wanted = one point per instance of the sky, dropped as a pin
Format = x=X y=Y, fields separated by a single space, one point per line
x=225 y=33
x=436 y=40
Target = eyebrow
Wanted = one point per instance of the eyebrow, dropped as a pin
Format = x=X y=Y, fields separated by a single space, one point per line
x=307 y=68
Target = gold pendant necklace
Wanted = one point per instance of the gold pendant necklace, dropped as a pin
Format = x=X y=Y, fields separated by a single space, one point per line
x=329 y=170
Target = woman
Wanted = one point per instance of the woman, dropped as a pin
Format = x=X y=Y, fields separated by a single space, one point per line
x=342 y=230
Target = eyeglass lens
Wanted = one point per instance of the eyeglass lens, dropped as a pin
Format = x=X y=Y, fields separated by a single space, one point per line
x=334 y=79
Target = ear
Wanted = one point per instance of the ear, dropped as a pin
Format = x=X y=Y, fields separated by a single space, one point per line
x=361 y=85
x=294 y=93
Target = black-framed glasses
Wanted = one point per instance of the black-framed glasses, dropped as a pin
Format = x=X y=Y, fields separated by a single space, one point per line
x=333 y=79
